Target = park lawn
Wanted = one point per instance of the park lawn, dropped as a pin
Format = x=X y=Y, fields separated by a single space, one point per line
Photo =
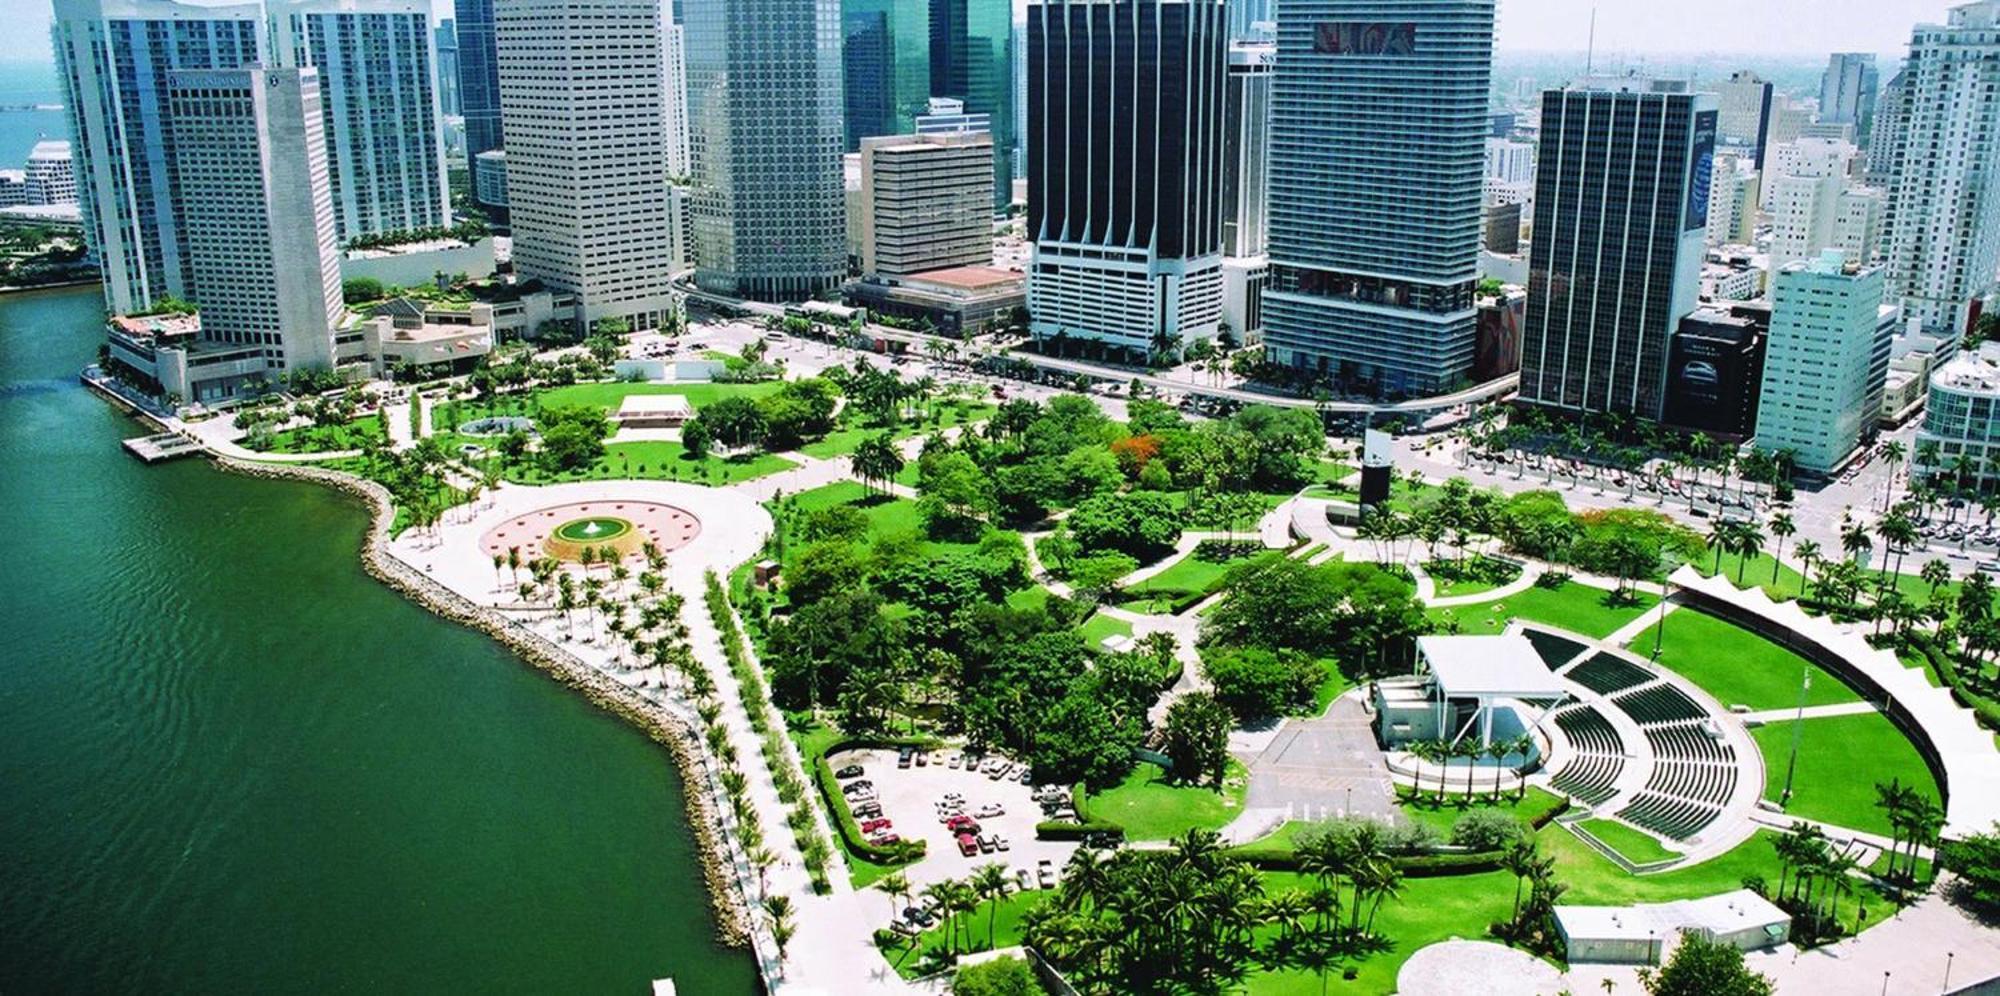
x=1576 y=607
x=1151 y=808
x=853 y=428
x=610 y=395
x=1191 y=573
x=659 y=460
x=1737 y=666
x=1030 y=599
x=1469 y=584
x=1099 y=626
x=1789 y=584
x=1638 y=848
x=1429 y=910
x=1330 y=688
x=1005 y=919
x=1425 y=810
x=1841 y=759
x=329 y=439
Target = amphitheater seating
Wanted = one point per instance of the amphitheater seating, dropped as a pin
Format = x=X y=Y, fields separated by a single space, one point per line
x=1686 y=742
x=1608 y=675
x=1599 y=759
x=1588 y=731
x=1555 y=651
x=1667 y=816
x=1710 y=783
x=1659 y=704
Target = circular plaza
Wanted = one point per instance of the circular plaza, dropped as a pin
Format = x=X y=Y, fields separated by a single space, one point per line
x=564 y=531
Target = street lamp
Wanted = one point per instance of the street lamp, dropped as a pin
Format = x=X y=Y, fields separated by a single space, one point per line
x=1948 y=955
x=1798 y=729
x=1885 y=984
x=1660 y=624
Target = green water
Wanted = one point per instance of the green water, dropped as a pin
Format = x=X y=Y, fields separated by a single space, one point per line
x=234 y=763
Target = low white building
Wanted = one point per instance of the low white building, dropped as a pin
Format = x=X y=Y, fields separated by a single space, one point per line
x=1640 y=935
x=1962 y=412
x=653 y=411
x=1465 y=684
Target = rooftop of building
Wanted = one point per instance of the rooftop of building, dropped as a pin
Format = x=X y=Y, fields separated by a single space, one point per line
x=1489 y=666
x=168 y=326
x=49 y=148
x=1972 y=371
x=971 y=278
x=1722 y=914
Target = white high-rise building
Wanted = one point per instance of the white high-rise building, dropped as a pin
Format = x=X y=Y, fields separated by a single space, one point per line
x=1510 y=162
x=114 y=57
x=1812 y=158
x=1944 y=239
x=1733 y=194
x=1847 y=90
x=674 y=94
x=1246 y=187
x=581 y=94
x=1743 y=115
x=1858 y=218
x=256 y=200
x=1820 y=390
x=51 y=174
x=377 y=62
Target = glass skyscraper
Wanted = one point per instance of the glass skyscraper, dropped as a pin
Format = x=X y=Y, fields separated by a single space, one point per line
x=972 y=59
x=886 y=58
x=478 y=77
x=1378 y=142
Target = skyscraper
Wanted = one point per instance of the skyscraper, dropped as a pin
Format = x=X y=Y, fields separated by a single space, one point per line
x=1125 y=211
x=478 y=76
x=447 y=68
x=925 y=202
x=1246 y=187
x=1378 y=142
x=972 y=59
x=1847 y=91
x=1245 y=13
x=1743 y=114
x=1621 y=219
x=1821 y=392
x=764 y=113
x=674 y=96
x=114 y=57
x=1890 y=131
x=1944 y=240
x=378 y=94
x=886 y=66
x=253 y=183
x=581 y=92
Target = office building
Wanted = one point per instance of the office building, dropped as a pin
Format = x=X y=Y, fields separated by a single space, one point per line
x=378 y=94
x=1497 y=349
x=926 y=203
x=114 y=57
x=445 y=44
x=489 y=178
x=1743 y=114
x=1714 y=371
x=1018 y=58
x=1847 y=91
x=948 y=116
x=1733 y=195
x=1378 y=140
x=50 y=177
x=1788 y=122
x=1502 y=235
x=960 y=301
x=13 y=188
x=1126 y=216
x=1889 y=131
x=673 y=97
x=1245 y=16
x=254 y=185
x=478 y=76
x=581 y=97
x=973 y=60
x=886 y=66
x=1944 y=236
x=764 y=117
x=1821 y=390
x=1620 y=235
x=1509 y=161
x=1962 y=415
x=1246 y=187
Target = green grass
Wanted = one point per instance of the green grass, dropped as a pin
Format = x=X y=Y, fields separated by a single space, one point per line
x=658 y=460
x=1099 y=626
x=1737 y=666
x=1151 y=808
x=1429 y=910
x=1330 y=687
x=1577 y=607
x=1442 y=817
x=329 y=439
x=1029 y=599
x=1188 y=575
x=1841 y=758
x=1445 y=575
x=609 y=396
x=853 y=430
x=1006 y=930
x=1638 y=848
x=1756 y=574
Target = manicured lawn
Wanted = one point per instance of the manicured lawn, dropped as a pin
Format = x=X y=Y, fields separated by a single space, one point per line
x=1737 y=666
x=1576 y=607
x=1428 y=910
x=1190 y=574
x=1099 y=626
x=1331 y=688
x=1638 y=848
x=609 y=396
x=1841 y=758
x=329 y=439
x=1453 y=581
x=853 y=428
x=1443 y=818
x=971 y=929
x=1151 y=808
x=1756 y=574
x=1246 y=525
x=1029 y=598
x=659 y=460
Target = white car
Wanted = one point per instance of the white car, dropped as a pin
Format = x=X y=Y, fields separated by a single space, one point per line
x=990 y=810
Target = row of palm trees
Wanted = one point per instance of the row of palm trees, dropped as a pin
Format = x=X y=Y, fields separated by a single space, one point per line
x=1813 y=875
x=955 y=901
x=1915 y=820
x=1442 y=752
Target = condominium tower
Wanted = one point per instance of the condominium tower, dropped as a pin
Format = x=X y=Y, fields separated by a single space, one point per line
x=1124 y=178
x=1621 y=221
x=1847 y=90
x=764 y=113
x=1378 y=140
x=478 y=76
x=378 y=94
x=1820 y=391
x=1246 y=188
x=1944 y=239
x=114 y=57
x=581 y=95
x=253 y=182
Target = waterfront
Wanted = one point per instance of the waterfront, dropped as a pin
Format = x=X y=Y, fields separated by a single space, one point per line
x=236 y=763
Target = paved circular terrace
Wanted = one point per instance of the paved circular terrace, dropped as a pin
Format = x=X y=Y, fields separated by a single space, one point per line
x=1452 y=968
x=563 y=531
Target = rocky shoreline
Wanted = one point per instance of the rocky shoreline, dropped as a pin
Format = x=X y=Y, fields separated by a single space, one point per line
x=673 y=732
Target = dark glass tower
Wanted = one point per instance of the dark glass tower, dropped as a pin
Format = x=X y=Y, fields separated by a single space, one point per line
x=972 y=59
x=886 y=61
x=478 y=77
x=1621 y=214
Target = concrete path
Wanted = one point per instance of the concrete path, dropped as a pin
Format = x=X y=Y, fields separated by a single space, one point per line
x=1530 y=573
x=1322 y=767
x=1809 y=712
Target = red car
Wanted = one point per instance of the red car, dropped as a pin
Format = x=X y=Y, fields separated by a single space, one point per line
x=961 y=824
x=885 y=840
x=873 y=825
x=968 y=845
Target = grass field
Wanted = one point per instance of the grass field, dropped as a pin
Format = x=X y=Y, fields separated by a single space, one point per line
x=1638 y=848
x=658 y=460
x=1841 y=758
x=328 y=439
x=1575 y=607
x=1445 y=575
x=1737 y=666
x=1003 y=919
x=1192 y=573
x=852 y=430
x=1442 y=817
x=1099 y=626
x=1151 y=808
x=609 y=396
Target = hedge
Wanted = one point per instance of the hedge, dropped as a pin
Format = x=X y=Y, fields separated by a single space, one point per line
x=843 y=817
x=1984 y=709
x=1282 y=856
x=1065 y=830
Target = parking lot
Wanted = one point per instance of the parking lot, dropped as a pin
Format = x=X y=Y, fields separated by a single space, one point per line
x=909 y=798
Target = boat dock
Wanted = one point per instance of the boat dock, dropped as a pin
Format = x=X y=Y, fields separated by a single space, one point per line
x=161 y=448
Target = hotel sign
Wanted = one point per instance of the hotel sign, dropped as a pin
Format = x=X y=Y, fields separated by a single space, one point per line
x=1365 y=38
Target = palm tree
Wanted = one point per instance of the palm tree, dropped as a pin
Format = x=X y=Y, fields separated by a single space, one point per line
x=1782 y=529
x=1808 y=554
x=939 y=895
x=992 y=884
x=895 y=885
x=1898 y=533
x=1519 y=860
x=1894 y=451
x=779 y=909
x=877 y=460
x=1746 y=541
x=1721 y=536
x=1853 y=537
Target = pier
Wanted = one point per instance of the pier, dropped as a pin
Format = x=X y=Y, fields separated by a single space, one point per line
x=162 y=447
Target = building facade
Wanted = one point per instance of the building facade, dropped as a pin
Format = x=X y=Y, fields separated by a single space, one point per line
x=673 y=97
x=1246 y=188
x=926 y=203
x=50 y=176
x=1821 y=390
x=1620 y=235
x=886 y=66
x=1733 y=195
x=446 y=46
x=478 y=76
x=1944 y=236
x=114 y=57
x=1743 y=114
x=254 y=183
x=973 y=60
x=764 y=115
x=1378 y=138
x=1715 y=369
x=489 y=178
x=1847 y=91
x=581 y=97
x=1962 y=414
x=378 y=93
x=1890 y=131
x=1124 y=212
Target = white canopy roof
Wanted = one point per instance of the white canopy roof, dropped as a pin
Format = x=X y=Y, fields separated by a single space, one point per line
x=1504 y=666
x=655 y=404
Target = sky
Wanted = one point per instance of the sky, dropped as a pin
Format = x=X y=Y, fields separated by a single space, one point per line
x=1789 y=27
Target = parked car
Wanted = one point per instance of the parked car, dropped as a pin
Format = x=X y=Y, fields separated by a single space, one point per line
x=961 y=823
x=868 y=811
x=1001 y=843
x=875 y=824
x=986 y=845
x=863 y=785
x=918 y=916
x=885 y=840
x=922 y=759
x=954 y=761
x=1026 y=879
x=968 y=845
x=990 y=810
x=851 y=771
x=1045 y=873
x=903 y=758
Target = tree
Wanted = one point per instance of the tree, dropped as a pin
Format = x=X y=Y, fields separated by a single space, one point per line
x=1782 y=529
x=1197 y=738
x=1143 y=524
x=992 y=883
x=896 y=886
x=1080 y=740
x=952 y=491
x=999 y=977
x=1701 y=967
x=695 y=438
x=1255 y=683
x=877 y=461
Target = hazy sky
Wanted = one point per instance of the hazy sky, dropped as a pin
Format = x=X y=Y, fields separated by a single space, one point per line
x=1804 y=27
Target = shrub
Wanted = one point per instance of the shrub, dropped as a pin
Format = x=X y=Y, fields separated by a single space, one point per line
x=1254 y=682
x=1486 y=830
x=998 y=977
